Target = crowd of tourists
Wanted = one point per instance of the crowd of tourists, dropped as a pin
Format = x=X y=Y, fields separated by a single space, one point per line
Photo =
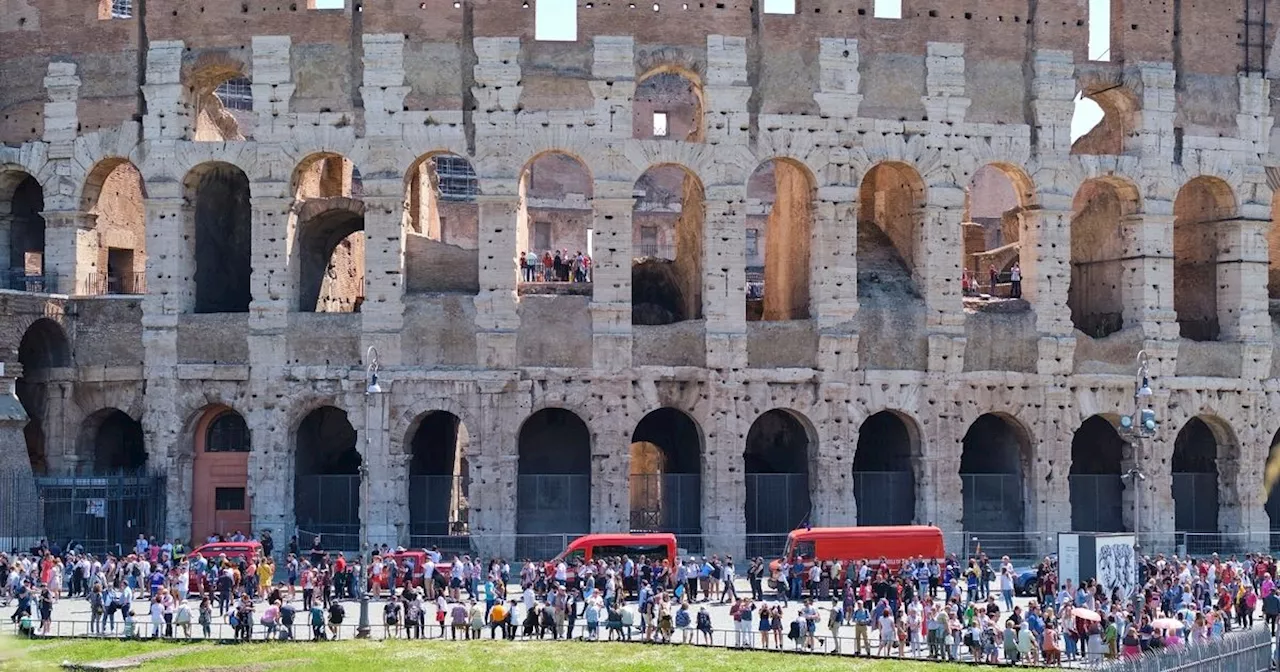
x=555 y=266
x=942 y=609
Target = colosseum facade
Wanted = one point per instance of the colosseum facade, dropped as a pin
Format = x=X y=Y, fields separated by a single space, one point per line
x=213 y=213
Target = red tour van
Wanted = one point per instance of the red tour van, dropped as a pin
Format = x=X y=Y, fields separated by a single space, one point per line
x=589 y=547
x=893 y=543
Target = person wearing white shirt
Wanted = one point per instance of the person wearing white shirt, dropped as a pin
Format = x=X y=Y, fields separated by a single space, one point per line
x=562 y=572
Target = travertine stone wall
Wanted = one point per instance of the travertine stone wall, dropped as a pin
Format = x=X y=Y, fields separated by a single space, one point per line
x=467 y=342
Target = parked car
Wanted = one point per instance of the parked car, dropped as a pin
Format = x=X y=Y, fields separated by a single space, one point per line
x=232 y=550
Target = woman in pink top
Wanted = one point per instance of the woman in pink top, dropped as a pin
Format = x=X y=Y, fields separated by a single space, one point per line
x=1268 y=585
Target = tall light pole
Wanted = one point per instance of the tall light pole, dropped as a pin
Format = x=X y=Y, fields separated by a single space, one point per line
x=1137 y=427
x=371 y=388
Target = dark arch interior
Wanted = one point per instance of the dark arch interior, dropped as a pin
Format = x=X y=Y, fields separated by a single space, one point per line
x=554 y=487
x=438 y=482
x=1096 y=489
x=228 y=433
x=667 y=227
x=991 y=472
x=677 y=435
x=327 y=444
x=26 y=243
x=656 y=295
x=118 y=444
x=1195 y=451
x=43 y=346
x=317 y=243
x=1273 y=495
x=883 y=478
x=777 y=474
x=224 y=241
x=1195 y=478
x=434 y=447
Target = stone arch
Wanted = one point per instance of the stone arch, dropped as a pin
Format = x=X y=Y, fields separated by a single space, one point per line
x=325 y=174
x=779 y=451
x=555 y=218
x=885 y=463
x=1096 y=295
x=1205 y=467
x=995 y=467
x=676 y=92
x=220 y=502
x=220 y=112
x=219 y=218
x=111 y=441
x=997 y=198
x=442 y=224
x=439 y=483
x=891 y=202
x=114 y=195
x=1098 y=455
x=1201 y=205
x=327 y=467
x=666 y=473
x=667 y=228
x=331 y=263
x=780 y=206
x=553 y=489
x=22 y=232
x=1121 y=108
x=44 y=346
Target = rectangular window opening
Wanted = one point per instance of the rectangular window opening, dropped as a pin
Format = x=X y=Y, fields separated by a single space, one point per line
x=779 y=6
x=659 y=124
x=228 y=499
x=1100 y=30
x=887 y=9
x=122 y=9
x=236 y=94
x=555 y=21
x=326 y=4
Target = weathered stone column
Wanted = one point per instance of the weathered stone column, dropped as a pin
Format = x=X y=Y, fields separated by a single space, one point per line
x=1147 y=293
x=382 y=315
x=387 y=473
x=724 y=277
x=271 y=285
x=610 y=480
x=724 y=486
x=831 y=476
x=1155 y=505
x=272 y=469
x=833 y=277
x=21 y=524
x=497 y=320
x=494 y=463
x=1242 y=281
x=938 y=272
x=1046 y=276
x=727 y=88
x=611 y=277
x=941 y=473
x=71 y=252
x=1048 y=485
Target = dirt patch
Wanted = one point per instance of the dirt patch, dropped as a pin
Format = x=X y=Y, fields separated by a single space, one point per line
x=134 y=661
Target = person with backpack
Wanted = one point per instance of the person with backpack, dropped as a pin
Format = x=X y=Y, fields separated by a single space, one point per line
x=96 y=610
x=704 y=625
x=317 y=622
x=336 y=615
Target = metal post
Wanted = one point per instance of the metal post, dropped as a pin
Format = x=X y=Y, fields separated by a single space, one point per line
x=371 y=388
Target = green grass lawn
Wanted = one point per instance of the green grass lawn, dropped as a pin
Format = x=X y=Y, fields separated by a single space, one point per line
x=27 y=655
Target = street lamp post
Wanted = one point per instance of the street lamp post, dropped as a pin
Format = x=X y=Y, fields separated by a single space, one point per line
x=371 y=388
x=1137 y=427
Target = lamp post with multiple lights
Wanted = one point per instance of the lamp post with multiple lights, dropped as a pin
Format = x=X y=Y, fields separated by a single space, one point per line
x=371 y=388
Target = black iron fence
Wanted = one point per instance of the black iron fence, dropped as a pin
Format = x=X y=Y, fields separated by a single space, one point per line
x=992 y=502
x=1097 y=502
x=885 y=497
x=101 y=513
x=96 y=284
x=328 y=506
x=22 y=281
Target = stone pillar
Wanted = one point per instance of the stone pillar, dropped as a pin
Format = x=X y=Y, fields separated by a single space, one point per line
x=387 y=472
x=611 y=278
x=833 y=277
x=167 y=117
x=22 y=525
x=831 y=477
x=1155 y=505
x=1046 y=276
x=272 y=86
x=945 y=99
x=611 y=480
x=839 y=83
x=71 y=251
x=272 y=467
x=724 y=277
x=1254 y=122
x=497 y=319
x=940 y=474
x=1053 y=90
x=494 y=463
x=382 y=315
x=1147 y=293
x=1048 y=494
x=613 y=85
x=724 y=486
x=61 y=116
x=1242 y=281
x=384 y=89
x=1155 y=136
x=271 y=283
x=938 y=273
x=726 y=118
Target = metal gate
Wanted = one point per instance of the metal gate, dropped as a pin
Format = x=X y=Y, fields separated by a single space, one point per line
x=992 y=502
x=666 y=503
x=551 y=505
x=100 y=513
x=776 y=504
x=885 y=497
x=1097 y=502
x=328 y=506
x=438 y=512
x=1195 y=507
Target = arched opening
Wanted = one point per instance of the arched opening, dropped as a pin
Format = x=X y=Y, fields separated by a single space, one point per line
x=666 y=474
x=1096 y=293
x=442 y=226
x=884 y=484
x=1271 y=481
x=667 y=224
x=439 y=486
x=44 y=346
x=218 y=197
x=1202 y=204
x=554 y=235
x=22 y=232
x=1195 y=483
x=667 y=105
x=326 y=175
x=111 y=441
x=1097 y=491
x=220 y=99
x=220 y=502
x=326 y=486
x=553 y=491
x=113 y=195
x=780 y=197
x=1105 y=117
x=994 y=461
x=891 y=203
x=776 y=460
x=331 y=262
x=995 y=203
